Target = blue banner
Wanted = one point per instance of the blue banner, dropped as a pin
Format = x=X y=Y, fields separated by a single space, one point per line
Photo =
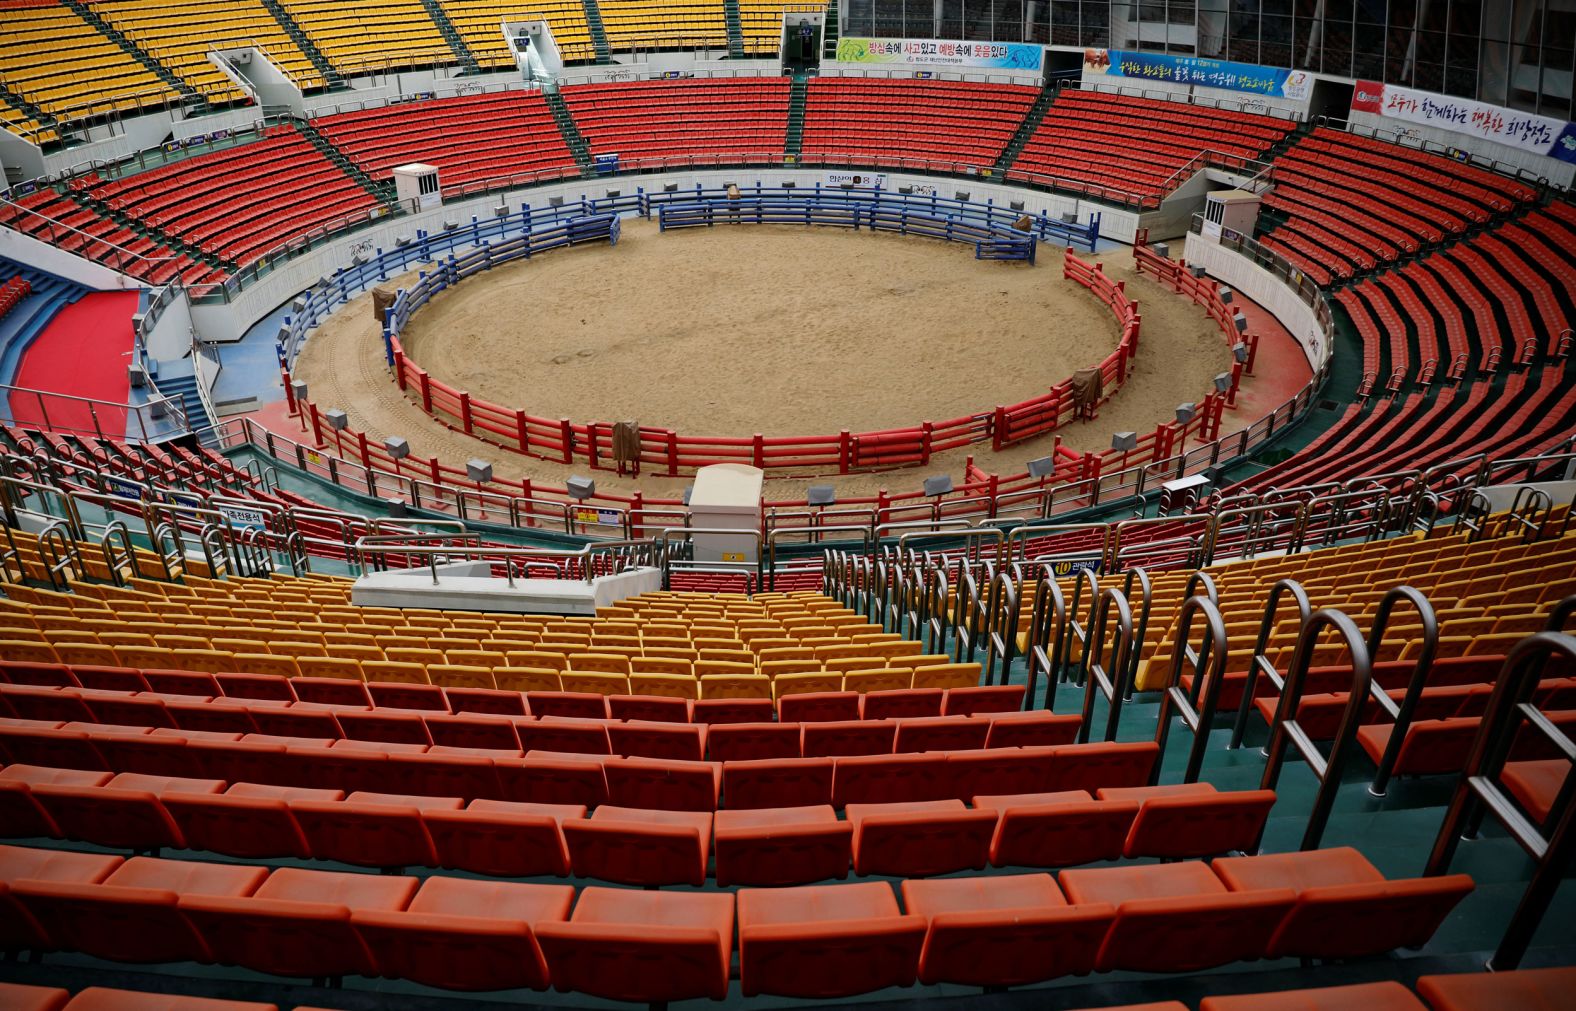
x=1276 y=82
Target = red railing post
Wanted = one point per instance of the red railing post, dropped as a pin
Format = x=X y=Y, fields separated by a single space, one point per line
x=925 y=432
x=399 y=368
x=317 y=425
x=522 y=432
x=845 y=450
x=365 y=450
x=758 y=450
x=637 y=505
x=672 y=438
x=465 y=412
x=426 y=389
x=566 y=437
x=998 y=428
x=290 y=401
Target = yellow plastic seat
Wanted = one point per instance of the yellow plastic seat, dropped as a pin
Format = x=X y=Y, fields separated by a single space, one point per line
x=951 y=675
x=672 y=686
x=595 y=682
x=344 y=668
x=527 y=679
x=735 y=686
x=801 y=684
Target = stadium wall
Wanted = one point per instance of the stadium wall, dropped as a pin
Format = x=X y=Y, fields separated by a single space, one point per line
x=1558 y=173
x=1261 y=286
x=21 y=248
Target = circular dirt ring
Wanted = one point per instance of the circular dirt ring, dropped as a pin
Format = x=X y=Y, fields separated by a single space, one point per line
x=786 y=331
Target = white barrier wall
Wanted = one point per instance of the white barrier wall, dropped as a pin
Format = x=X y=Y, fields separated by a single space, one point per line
x=1558 y=173
x=229 y=322
x=22 y=248
x=1242 y=274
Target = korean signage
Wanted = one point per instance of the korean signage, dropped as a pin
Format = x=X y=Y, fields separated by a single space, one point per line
x=907 y=52
x=1273 y=82
x=1555 y=138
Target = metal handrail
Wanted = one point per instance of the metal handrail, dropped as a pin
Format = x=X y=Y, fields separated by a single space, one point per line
x=1261 y=661
x=1196 y=704
x=1103 y=678
x=1401 y=715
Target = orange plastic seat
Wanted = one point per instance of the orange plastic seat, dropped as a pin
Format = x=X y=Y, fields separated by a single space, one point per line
x=503 y=838
x=781 y=846
x=1005 y=930
x=647 y=947
x=1524 y=989
x=640 y=847
x=1061 y=829
x=1192 y=819
x=826 y=941
x=1384 y=996
x=919 y=839
x=777 y=782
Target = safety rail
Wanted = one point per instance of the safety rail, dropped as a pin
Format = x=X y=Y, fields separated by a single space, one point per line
x=1106 y=678
x=1261 y=664
x=1401 y=715
x=1196 y=704
x=1286 y=731
x=1481 y=792
x=381 y=550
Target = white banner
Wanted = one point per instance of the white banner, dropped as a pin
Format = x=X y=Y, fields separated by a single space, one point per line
x=1543 y=135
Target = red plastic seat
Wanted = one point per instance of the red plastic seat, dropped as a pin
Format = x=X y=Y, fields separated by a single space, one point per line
x=1000 y=771
x=503 y=838
x=778 y=782
x=826 y=941
x=399 y=695
x=1535 y=785
x=331 y=691
x=99 y=998
x=940 y=733
x=1101 y=764
x=298 y=922
x=743 y=742
x=565 y=735
x=1344 y=907
x=494 y=733
x=132 y=915
x=1523 y=989
x=640 y=847
x=848 y=738
x=485 y=700
x=460 y=934
x=1192 y=819
x=656 y=708
x=120 y=819
x=877 y=779
x=556 y=779
x=713 y=711
x=391 y=727
x=642 y=946
x=680 y=742
x=919 y=839
x=241 y=825
x=26 y=672
x=1384 y=996
x=372 y=830
x=1035 y=728
x=1177 y=917
x=17 y=997
x=256 y=686
x=781 y=846
x=580 y=705
x=901 y=703
x=665 y=785
x=1005 y=930
x=1057 y=829
x=818 y=707
x=982 y=699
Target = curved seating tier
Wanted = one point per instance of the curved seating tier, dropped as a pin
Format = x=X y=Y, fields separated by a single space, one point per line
x=880 y=120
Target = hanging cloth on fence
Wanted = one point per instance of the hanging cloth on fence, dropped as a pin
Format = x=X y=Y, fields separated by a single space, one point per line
x=626 y=443
x=382 y=301
x=1088 y=386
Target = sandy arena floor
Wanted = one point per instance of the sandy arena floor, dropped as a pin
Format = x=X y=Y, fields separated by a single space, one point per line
x=779 y=330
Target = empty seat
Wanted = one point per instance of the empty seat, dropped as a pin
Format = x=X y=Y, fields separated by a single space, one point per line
x=503 y=838
x=1061 y=829
x=781 y=845
x=918 y=839
x=818 y=707
x=877 y=779
x=901 y=703
x=17 y=997
x=1177 y=917
x=849 y=737
x=372 y=830
x=1384 y=996
x=732 y=742
x=1192 y=819
x=1530 y=989
x=100 y=998
x=683 y=742
x=826 y=941
x=780 y=782
x=642 y=946
x=1035 y=728
x=967 y=701
x=940 y=733
x=460 y=934
x=1005 y=930
x=1344 y=907
x=668 y=785
x=640 y=847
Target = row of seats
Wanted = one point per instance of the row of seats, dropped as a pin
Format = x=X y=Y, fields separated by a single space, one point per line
x=881 y=120
x=690 y=118
x=568 y=763
x=52 y=57
x=1355 y=203
x=371 y=36
x=226 y=202
x=632 y=845
x=477 y=23
x=12 y=292
x=470 y=138
x=816 y=941
x=1529 y=988
x=1134 y=145
x=75 y=227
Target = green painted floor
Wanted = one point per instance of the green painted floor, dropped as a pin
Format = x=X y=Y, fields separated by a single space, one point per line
x=1395 y=833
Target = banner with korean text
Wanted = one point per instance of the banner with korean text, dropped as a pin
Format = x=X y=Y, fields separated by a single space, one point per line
x=1543 y=135
x=918 y=52
x=1278 y=82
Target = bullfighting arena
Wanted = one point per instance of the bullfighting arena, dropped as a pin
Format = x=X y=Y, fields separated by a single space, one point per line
x=780 y=330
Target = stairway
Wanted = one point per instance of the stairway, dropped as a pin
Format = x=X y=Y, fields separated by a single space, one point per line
x=793 y=140
x=730 y=14
x=331 y=77
x=1031 y=122
x=451 y=35
x=566 y=127
x=153 y=232
x=191 y=95
x=384 y=192
x=829 y=32
x=598 y=32
x=184 y=389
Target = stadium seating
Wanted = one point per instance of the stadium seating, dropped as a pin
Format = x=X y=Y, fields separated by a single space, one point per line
x=727 y=121
x=1353 y=203
x=1133 y=147
x=225 y=202
x=76 y=227
x=879 y=121
x=471 y=139
x=477 y=23
x=53 y=58
x=761 y=23
x=370 y=36
x=663 y=24
x=180 y=37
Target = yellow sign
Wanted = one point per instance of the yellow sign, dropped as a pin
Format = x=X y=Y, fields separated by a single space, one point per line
x=312 y=457
x=733 y=556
